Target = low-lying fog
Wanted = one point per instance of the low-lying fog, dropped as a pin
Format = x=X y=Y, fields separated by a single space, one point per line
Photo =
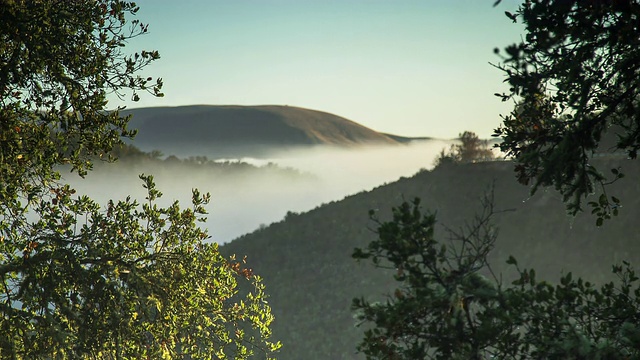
x=242 y=203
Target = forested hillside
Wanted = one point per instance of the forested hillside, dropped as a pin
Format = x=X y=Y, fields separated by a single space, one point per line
x=307 y=266
x=129 y=158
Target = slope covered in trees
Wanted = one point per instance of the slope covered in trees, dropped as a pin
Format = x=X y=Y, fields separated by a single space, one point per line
x=307 y=265
x=131 y=159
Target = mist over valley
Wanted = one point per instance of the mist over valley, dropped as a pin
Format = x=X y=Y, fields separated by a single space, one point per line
x=251 y=188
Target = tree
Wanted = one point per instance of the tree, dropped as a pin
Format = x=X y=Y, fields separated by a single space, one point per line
x=60 y=60
x=575 y=80
x=470 y=149
x=79 y=281
x=129 y=282
x=449 y=304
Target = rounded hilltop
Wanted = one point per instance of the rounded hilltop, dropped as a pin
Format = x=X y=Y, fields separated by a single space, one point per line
x=233 y=130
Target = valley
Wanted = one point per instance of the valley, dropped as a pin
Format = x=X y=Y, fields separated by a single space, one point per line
x=255 y=189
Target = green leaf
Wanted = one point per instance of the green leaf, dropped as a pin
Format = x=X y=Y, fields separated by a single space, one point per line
x=511 y=16
x=602 y=200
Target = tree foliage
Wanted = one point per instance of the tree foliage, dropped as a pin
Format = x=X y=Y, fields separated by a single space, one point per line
x=58 y=62
x=128 y=282
x=125 y=281
x=449 y=304
x=576 y=78
x=469 y=149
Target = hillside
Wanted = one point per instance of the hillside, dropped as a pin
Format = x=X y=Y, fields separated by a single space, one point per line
x=235 y=131
x=306 y=262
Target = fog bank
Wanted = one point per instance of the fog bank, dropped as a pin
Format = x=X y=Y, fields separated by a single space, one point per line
x=242 y=203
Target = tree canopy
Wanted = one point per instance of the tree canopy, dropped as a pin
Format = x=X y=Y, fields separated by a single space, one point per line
x=469 y=149
x=132 y=281
x=123 y=281
x=576 y=79
x=58 y=62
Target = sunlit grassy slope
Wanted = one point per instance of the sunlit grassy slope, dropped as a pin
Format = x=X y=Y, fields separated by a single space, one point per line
x=245 y=130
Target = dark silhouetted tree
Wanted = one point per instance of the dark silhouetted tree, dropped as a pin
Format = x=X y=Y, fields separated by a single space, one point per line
x=449 y=304
x=469 y=149
x=472 y=148
x=575 y=77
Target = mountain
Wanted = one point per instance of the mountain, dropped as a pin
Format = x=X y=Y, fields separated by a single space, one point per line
x=236 y=131
x=306 y=262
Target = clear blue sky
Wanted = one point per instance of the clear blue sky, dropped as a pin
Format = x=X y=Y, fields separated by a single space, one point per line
x=408 y=67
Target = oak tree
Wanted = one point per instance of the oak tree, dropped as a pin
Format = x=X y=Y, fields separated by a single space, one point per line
x=575 y=77
x=77 y=280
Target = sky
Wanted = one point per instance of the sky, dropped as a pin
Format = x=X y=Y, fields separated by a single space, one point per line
x=406 y=67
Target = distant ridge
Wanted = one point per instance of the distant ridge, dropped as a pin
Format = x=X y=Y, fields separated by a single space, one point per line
x=232 y=130
x=404 y=139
